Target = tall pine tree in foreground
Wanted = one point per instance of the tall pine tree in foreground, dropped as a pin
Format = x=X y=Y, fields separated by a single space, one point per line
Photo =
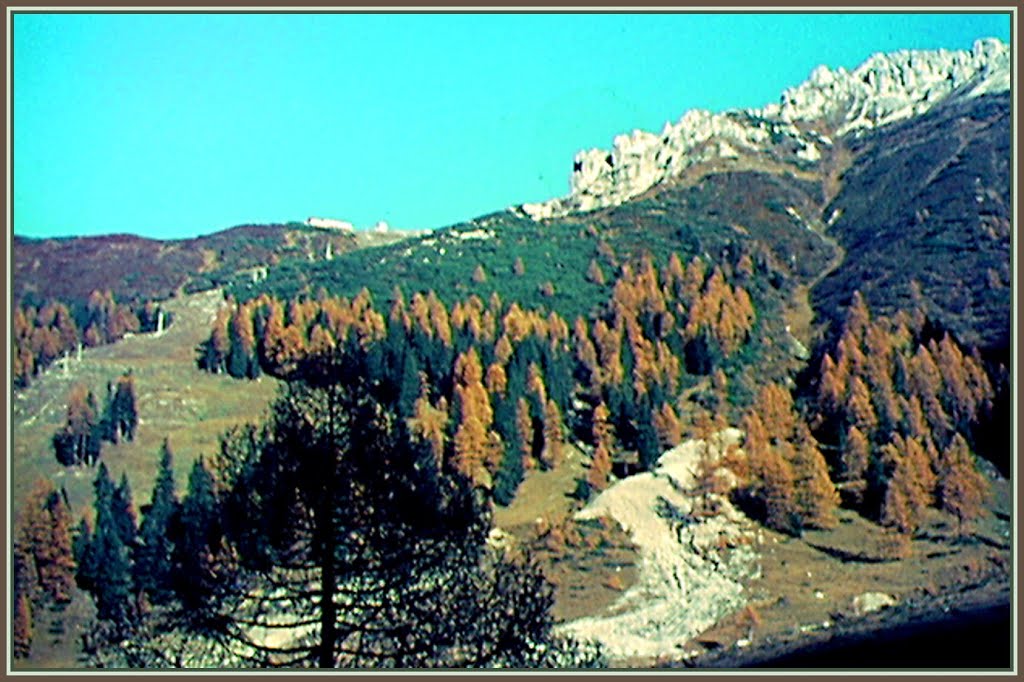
x=330 y=556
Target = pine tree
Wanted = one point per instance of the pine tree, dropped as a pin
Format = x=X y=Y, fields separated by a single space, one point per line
x=321 y=342
x=123 y=509
x=921 y=463
x=601 y=460
x=831 y=386
x=771 y=476
x=774 y=405
x=518 y=268
x=859 y=408
x=914 y=422
x=81 y=547
x=648 y=445
x=429 y=424
x=409 y=388
x=502 y=350
x=242 y=355
x=79 y=440
x=512 y=470
x=153 y=566
x=106 y=428
x=125 y=414
x=815 y=494
x=21 y=626
x=24 y=573
x=323 y=531
x=58 y=578
x=109 y=556
x=668 y=426
x=474 y=446
x=553 y=440
x=525 y=430
x=594 y=273
x=779 y=489
x=756 y=445
x=904 y=500
x=858 y=317
x=854 y=455
x=497 y=379
x=45 y=534
x=962 y=488
x=219 y=343
x=193 y=554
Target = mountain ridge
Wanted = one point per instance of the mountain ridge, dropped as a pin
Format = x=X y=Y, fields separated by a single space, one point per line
x=797 y=130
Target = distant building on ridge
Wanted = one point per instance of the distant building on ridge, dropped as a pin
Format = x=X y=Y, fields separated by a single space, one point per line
x=331 y=223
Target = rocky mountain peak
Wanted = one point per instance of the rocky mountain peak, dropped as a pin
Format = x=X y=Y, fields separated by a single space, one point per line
x=793 y=131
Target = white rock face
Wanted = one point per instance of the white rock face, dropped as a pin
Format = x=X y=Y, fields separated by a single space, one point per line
x=884 y=89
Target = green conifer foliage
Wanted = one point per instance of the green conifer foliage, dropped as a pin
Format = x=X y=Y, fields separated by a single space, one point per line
x=153 y=569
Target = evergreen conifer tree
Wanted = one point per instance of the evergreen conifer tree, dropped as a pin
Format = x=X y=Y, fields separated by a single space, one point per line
x=109 y=560
x=81 y=547
x=124 y=411
x=153 y=568
x=193 y=554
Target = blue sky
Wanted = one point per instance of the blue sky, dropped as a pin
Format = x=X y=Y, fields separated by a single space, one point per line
x=180 y=125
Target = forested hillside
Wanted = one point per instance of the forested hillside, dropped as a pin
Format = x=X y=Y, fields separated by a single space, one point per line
x=676 y=391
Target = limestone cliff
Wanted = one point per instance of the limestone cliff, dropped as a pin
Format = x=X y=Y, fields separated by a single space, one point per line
x=794 y=131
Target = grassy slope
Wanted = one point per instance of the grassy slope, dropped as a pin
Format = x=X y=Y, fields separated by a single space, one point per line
x=175 y=400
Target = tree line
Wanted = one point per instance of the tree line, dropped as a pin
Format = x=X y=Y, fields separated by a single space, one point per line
x=498 y=389
x=41 y=335
x=506 y=385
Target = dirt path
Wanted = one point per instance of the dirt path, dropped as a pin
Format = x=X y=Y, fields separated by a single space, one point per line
x=799 y=316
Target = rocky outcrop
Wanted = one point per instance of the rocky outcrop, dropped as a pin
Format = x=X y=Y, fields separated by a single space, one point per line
x=795 y=130
x=869 y=602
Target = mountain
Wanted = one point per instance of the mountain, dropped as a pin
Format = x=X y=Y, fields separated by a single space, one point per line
x=137 y=268
x=902 y=164
x=794 y=133
x=892 y=174
x=892 y=179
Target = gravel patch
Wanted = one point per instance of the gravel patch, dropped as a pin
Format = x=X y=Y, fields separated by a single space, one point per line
x=692 y=568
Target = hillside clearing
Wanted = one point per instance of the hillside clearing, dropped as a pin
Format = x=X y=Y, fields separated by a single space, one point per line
x=175 y=400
